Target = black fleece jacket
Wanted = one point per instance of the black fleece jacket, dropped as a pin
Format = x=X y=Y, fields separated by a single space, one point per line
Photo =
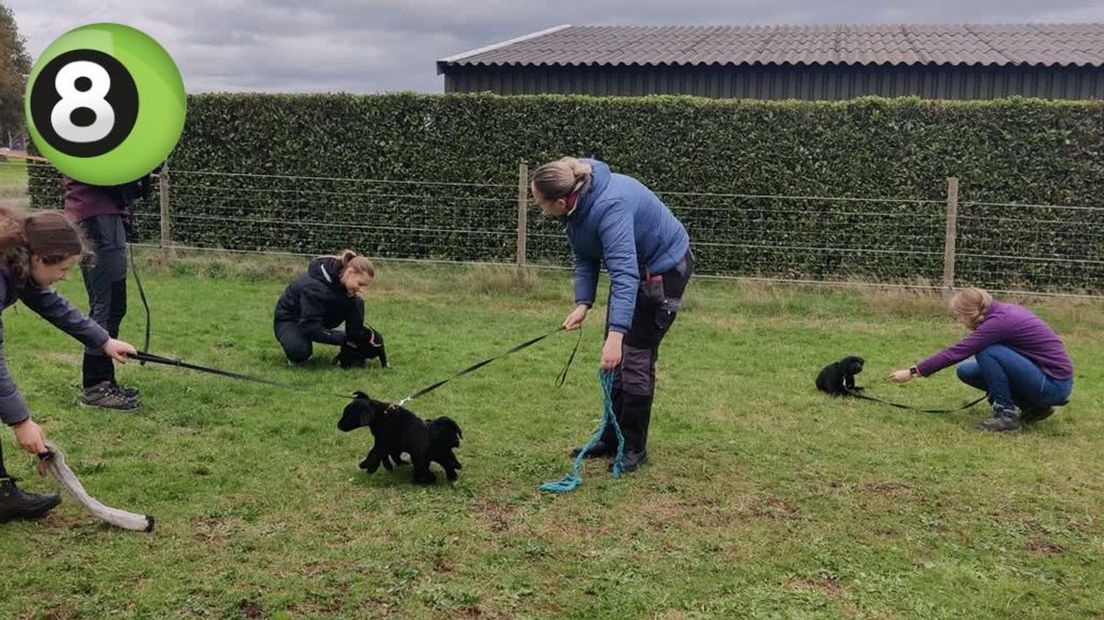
x=319 y=302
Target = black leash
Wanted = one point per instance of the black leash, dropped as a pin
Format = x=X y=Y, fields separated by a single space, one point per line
x=474 y=367
x=145 y=304
x=143 y=356
x=858 y=394
x=130 y=218
x=571 y=358
x=157 y=359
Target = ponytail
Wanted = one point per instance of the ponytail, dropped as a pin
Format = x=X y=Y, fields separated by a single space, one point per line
x=351 y=260
x=970 y=305
x=345 y=257
x=561 y=178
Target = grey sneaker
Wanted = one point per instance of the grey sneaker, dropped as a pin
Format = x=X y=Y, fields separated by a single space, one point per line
x=1031 y=416
x=130 y=392
x=107 y=395
x=1002 y=421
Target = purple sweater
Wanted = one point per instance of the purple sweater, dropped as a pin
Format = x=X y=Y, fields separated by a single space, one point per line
x=84 y=201
x=1015 y=327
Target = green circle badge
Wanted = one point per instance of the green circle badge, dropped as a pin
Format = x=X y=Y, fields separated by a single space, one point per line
x=105 y=104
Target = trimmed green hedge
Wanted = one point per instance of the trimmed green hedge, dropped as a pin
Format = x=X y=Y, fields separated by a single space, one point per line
x=1021 y=151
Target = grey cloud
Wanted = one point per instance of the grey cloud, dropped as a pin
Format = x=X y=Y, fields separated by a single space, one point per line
x=386 y=45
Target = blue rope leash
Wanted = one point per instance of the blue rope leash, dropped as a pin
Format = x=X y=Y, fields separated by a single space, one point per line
x=575 y=478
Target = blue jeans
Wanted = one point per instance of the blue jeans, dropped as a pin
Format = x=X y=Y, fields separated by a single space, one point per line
x=1012 y=380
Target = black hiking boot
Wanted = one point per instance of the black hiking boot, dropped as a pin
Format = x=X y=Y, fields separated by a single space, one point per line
x=18 y=504
x=632 y=461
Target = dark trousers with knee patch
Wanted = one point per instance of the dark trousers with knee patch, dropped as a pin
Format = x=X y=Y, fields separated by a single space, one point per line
x=297 y=343
x=297 y=346
x=657 y=303
x=105 y=281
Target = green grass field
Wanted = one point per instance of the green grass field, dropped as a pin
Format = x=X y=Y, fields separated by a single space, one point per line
x=13 y=179
x=762 y=498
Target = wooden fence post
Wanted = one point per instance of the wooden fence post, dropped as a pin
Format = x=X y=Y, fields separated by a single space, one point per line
x=952 y=232
x=522 y=217
x=166 y=209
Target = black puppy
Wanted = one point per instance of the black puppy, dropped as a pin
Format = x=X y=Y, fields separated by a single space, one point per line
x=444 y=435
x=360 y=347
x=396 y=431
x=838 y=378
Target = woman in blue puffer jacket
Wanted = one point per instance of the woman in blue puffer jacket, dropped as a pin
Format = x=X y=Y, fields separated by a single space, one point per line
x=613 y=219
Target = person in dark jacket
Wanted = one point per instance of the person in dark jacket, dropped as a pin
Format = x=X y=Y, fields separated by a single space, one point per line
x=1018 y=360
x=103 y=214
x=318 y=301
x=38 y=249
x=615 y=220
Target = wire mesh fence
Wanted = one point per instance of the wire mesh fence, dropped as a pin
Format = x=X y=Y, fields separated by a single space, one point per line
x=886 y=241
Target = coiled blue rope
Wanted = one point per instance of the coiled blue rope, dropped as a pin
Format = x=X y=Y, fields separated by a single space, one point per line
x=575 y=478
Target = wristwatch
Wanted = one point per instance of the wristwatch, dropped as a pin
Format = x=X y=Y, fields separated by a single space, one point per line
x=913 y=372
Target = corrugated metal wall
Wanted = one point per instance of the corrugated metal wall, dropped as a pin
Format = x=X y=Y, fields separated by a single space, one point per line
x=820 y=83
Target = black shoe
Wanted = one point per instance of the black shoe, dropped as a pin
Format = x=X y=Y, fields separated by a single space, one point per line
x=18 y=504
x=600 y=449
x=107 y=395
x=1031 y=416
x=632 y=461
x=1002 y=421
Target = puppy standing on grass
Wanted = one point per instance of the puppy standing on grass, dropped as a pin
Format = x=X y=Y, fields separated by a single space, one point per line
x=444 y=435
x=400 y=430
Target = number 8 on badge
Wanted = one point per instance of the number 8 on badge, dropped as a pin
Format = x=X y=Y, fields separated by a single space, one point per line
x=105 y=104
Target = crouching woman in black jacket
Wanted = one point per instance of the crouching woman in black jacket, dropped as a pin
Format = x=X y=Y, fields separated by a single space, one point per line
x=320 y=300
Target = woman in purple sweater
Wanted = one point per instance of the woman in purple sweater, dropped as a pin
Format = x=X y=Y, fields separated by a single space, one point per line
x=1018 y=360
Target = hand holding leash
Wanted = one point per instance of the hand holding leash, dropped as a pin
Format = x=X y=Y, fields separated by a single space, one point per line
x=575 y=319
x=29 y=435
x=118 y=350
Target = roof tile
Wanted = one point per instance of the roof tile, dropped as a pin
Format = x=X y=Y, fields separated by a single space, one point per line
x=992 y=45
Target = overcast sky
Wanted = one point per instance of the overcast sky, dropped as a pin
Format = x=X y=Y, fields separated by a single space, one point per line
x=388 y=45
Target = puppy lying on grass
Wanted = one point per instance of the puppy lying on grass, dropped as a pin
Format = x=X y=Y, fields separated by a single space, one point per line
x=400 y=430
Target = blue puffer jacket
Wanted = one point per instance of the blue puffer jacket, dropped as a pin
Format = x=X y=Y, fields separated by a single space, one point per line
x=619 y=222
